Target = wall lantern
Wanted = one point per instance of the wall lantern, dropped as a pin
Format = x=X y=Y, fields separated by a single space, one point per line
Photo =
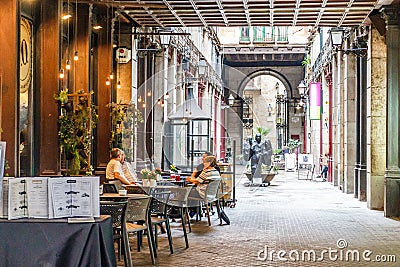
x=231 y=100
x=165 y=38
x=337 y=36
x=302 y=88
x=202 y=66
x=358 y=48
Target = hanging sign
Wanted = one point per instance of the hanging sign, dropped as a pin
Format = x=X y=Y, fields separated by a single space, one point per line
x=315 y=101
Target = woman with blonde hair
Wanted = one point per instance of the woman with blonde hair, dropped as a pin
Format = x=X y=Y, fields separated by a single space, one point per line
x=208 y=173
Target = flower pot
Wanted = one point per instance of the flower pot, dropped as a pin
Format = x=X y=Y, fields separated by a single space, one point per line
x=146 y=182
x=153 y=183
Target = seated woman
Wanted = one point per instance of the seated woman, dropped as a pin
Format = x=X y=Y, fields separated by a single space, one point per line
x=114 y=170
x=208 y=173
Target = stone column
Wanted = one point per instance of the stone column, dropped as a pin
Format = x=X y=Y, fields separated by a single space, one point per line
x=349 y=123
x=392 y=176
x=361 y=169
x=376 y=122
x=336 y=120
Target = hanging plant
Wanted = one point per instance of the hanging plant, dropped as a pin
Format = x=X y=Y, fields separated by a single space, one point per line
x=124 y=118
x=75 y=128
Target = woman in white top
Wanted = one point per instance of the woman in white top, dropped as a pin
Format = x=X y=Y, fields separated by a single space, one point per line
x=114 y=167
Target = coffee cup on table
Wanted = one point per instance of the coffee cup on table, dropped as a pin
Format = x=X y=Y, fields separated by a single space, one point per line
x=122 y=192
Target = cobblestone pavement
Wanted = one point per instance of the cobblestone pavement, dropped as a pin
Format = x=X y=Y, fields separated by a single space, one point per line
x=294 y=216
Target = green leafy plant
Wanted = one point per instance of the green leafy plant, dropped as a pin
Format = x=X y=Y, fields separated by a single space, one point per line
x=306 y=61
x=173 y=168
x=261 y=130
x=293 y=143
x=62 y=96
x=124 y=118
x=75 y=129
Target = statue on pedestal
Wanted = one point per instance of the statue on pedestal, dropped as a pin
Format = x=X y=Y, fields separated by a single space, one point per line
x=260 y=153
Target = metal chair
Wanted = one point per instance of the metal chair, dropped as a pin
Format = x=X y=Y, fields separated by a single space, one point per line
x=179 y=200
x=109 y=188
x=211 y=196
x=117 y=212
x=138 y=220
x=159 y=214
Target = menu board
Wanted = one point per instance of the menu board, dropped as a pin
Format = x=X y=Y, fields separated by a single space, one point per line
x=71 y=197
x=44 y=197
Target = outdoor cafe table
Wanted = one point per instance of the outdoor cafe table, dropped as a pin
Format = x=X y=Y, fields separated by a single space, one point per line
x=115 y=196
x=55 y=242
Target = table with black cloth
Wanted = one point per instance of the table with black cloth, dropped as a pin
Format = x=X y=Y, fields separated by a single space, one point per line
x=51 y=243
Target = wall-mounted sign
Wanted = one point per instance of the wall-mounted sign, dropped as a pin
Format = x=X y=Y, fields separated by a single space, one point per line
x=123 y=55
x=25 y=54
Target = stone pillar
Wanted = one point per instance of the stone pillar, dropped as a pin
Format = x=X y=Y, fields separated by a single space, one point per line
x=392 y=176
x=349 y=123
x=336 y=120
x=362 y=138
x=376 y=122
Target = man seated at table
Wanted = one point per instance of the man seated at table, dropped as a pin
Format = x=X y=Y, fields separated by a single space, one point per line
x=114 y=170
x=126 y=169
x=197 y=170
x=208 y=173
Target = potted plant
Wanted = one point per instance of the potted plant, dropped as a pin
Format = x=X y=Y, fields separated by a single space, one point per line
x=75 y=129
x=261 y=130
x=267 y=173
x=149 y=178
x=173 y=168
x=158 y=172
x=293 y=144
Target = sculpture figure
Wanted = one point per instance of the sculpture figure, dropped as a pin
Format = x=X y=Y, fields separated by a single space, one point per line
x=260 y=153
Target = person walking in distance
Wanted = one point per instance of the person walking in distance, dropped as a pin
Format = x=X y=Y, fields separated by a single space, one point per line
x=324 y=172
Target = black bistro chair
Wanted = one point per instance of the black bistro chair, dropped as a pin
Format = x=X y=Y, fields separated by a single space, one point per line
x=159 y=214
x=117 y=210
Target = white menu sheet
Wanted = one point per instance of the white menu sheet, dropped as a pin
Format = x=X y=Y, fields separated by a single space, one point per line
x=17 y=202
x=71 y=197
x=36 y=188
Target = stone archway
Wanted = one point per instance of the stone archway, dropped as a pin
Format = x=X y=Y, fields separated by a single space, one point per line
x=235 y=80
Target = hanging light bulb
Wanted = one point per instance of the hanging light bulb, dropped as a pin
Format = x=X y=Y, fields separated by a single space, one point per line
x=119 y=85
x=107 y=82
x=186 y=110
x=139 y=99
x=190 y=114
x=66 y=16
x=183 y=119
x=149 y=93
x=76 y=57
x=167 y=95
x=68 y=66
x=144 y=105
x=111 y=75
x=162 y=103
x=61 y=75
x=159 y=101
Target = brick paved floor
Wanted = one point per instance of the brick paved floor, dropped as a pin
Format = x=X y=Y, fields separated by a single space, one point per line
x=292 y=216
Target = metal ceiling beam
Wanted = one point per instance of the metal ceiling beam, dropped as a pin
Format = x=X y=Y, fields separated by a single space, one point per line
x=198 y=13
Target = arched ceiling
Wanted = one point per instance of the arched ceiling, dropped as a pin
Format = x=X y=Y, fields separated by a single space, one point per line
x=208 y=13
